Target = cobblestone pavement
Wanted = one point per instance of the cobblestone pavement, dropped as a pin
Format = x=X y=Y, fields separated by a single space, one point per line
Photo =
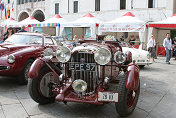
x=157 y=98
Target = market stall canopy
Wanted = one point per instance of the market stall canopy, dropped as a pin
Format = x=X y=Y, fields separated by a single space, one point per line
x=126 y=23
x=28 y=21
x=167 y=23
x=54 y=21
x=9 y=22
x=87 y=20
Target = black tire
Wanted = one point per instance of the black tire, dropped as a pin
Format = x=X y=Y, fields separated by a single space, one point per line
x=35 y=91
x=124 y=107
x=141 y=66
x=23 y=78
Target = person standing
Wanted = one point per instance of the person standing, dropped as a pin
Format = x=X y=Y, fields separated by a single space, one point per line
x=167 y=43
x=151 y=47
x=22 y=29
x=8 y=33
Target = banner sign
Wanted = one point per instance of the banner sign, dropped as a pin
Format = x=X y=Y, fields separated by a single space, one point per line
x=134 y=27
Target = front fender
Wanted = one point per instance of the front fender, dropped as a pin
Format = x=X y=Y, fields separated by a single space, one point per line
x=35 y=68
x=132 y=82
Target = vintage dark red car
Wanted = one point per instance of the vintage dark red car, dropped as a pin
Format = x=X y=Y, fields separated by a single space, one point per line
x=19 y=51
x=93 y=73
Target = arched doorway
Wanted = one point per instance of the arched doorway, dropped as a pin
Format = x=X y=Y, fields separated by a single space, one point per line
x=23 y=16
x=39 y=15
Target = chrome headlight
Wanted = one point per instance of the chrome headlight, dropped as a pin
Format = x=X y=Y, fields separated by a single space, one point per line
x=48 y=53
x=79 y=85
x=119 y=57
x=102 y=56
x=63 y=54
x=11 y=58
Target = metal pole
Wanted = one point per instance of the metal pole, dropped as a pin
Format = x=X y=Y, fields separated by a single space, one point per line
x=1 y=21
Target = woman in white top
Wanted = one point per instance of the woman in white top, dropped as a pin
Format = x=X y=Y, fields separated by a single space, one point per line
x=151 y=47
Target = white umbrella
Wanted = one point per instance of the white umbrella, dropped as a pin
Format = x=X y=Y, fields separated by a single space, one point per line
x=28 y=21
x=55 y=19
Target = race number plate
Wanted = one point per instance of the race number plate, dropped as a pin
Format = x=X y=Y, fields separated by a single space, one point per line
x=82 y=66
x=108 y=96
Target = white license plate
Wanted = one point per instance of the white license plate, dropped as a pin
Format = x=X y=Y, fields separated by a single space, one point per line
x=108 y=96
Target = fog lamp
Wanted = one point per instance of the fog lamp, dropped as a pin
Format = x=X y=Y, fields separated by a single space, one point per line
x=79 y=85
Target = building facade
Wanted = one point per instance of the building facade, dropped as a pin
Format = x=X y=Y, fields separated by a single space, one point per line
x=147 y=10
x=105 y=10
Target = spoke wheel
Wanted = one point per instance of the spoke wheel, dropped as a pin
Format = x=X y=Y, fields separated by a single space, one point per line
x=40 y=88
x=127 y=98
x=45 y=83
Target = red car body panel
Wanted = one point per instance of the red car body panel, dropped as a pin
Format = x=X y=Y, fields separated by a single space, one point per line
x=132 y=82
x=22 y=53
x=35 y=68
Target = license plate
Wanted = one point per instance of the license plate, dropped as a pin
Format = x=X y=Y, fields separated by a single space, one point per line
x=82 y=66
x=108 y=96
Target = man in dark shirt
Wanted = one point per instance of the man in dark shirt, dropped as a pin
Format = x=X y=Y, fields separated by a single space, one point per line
x=22 y=29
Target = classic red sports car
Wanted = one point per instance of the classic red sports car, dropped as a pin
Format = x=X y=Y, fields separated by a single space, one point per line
x=19 y=51
x=94 y=73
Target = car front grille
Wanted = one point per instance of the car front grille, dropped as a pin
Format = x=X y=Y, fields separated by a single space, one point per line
x=88 y=76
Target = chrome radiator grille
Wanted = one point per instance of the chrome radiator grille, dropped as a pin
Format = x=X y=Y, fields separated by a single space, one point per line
x=88 y=76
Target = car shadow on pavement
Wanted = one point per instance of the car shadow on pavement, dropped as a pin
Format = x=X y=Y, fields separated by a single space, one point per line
x=7 y=83
x=79 y=110
x=153 y=69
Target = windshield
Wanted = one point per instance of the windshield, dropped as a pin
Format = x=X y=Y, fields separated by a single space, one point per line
x=24 y=39
x=125 y=44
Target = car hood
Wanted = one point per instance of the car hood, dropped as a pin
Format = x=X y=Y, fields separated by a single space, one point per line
x=88 y=48
x=6 y=49
x=135 y=52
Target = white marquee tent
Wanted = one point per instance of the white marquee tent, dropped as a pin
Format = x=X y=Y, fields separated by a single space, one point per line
x=9 y=22
x=126 y=23
x=55 y=21
x=87 y=20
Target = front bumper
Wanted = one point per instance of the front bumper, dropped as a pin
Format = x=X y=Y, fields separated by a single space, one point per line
x=143 y=62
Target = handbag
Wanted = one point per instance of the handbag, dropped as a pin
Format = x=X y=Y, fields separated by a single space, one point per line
x=150 y=49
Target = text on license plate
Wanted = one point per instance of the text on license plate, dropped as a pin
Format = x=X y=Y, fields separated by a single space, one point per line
x=82 y=66
x=108 y=96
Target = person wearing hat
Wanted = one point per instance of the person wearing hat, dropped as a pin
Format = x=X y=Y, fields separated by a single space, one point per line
x=22 y=29
x=8 y=33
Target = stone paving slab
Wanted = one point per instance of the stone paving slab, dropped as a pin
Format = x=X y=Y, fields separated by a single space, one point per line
x=167 y=106
x=8 y=98
x=1 y=113
x=14 y=111
x=21 y=92
x=148 y=100
x=157 y=98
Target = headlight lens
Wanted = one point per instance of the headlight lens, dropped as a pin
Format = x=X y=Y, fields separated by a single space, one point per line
x=102 y=56
x=79 y=85
x=63 y=54
x=48 y=53
x=119 y=57
x=11 y=58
